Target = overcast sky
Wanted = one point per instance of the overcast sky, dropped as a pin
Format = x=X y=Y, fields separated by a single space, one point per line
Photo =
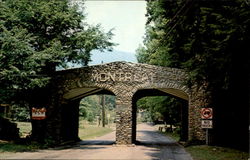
x=126 y=17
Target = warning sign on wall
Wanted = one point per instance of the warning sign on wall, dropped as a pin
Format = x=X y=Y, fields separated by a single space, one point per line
x=38 y=113
x=206 y=113
x=206 y=124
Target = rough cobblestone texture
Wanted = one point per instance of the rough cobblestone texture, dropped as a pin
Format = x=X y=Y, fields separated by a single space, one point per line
x=123 y=80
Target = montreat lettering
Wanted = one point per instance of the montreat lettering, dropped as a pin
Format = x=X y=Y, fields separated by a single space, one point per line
x=121 y=77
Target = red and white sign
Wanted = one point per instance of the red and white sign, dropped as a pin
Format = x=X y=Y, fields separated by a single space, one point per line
x=38 y=113
x=206 y=113
x=206 y=123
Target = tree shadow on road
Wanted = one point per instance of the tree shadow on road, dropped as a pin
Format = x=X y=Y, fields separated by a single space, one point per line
x=160 y=146
x=97 y=142
x=86 y=144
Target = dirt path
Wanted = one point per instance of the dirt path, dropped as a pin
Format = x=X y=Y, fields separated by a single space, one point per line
x=152 y=146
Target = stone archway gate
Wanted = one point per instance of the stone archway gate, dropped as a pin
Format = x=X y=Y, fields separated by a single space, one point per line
x=123 y=80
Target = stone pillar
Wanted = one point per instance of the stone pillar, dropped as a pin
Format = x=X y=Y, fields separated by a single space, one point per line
x=54 y=120
x=184 y=121
x=123 y=120
x=70 y=121
x=134 y=121
x=38 y=99
x=38 y=130
x=198 y=99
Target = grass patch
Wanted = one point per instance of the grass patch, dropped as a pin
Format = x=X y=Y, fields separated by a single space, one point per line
x=25 y=128
x=87 y=131
x=203 y=152
x=174 y=136
x=12 y=147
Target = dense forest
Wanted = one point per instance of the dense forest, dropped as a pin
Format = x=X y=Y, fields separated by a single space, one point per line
x=210 y=41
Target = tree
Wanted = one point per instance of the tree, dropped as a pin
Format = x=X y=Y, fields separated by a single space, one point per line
x=20 y=114
x=83 y=112
x=201 y=37
x=38 y=36
x=90 y=107
x=208 y=39
x=161 y=109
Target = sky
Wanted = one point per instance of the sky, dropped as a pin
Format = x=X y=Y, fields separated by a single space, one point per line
x=127 y=18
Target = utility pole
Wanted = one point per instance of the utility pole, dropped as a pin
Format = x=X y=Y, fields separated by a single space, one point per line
x=103 y=110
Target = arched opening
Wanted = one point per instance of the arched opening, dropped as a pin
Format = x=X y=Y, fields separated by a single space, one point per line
x=178 y=123
x=88 y=113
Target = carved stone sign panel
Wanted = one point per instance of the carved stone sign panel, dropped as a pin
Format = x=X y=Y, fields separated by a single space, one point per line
x=121 y=77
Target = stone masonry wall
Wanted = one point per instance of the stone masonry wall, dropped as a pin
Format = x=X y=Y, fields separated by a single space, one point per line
x=124 y=80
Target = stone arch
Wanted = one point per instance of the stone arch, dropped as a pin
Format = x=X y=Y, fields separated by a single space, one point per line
x=163 y=89
x=70 y=113
x=123 y=80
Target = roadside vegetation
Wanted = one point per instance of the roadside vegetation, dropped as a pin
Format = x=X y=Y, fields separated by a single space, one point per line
x=24 y=128
x=205 y=152
x=91 y=109
x=209 y=40
x=87 y=130
x=91 y=112
x=11 y=146
x=90 y=124
x=37 y=38
x=90 y=131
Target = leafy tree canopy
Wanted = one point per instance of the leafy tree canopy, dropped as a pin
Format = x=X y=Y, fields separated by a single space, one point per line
x=39 y=35
x=202 y=37
x=208 y=39
x=162 y=108
x=90 y=107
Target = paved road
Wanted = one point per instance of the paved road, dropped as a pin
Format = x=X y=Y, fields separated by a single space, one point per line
x=152 y=146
